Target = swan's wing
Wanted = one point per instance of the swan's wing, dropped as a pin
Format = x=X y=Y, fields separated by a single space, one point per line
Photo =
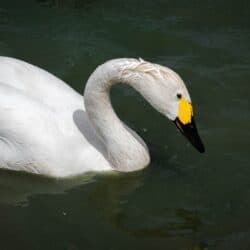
x=27 y=131
x=38 y=139
x=37 y=83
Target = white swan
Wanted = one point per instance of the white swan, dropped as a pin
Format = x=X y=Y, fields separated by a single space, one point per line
x=47 y=128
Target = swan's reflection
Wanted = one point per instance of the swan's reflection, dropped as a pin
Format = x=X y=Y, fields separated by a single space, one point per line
x=88 y=204
x=17 y=187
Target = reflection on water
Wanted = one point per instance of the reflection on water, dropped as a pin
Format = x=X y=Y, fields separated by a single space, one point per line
x=17 y=187
x=100 y=199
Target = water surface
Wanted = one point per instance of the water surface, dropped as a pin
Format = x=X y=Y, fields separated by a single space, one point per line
x=183 y=200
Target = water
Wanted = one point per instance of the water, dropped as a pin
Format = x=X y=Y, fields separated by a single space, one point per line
x=183 y=200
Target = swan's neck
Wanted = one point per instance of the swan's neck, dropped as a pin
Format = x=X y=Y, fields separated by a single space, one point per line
x=126 y=150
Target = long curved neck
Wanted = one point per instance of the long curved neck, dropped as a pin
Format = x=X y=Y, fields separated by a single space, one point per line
x=126 y=150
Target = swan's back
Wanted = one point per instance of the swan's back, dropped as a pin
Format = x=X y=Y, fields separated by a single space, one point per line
x=37 y=83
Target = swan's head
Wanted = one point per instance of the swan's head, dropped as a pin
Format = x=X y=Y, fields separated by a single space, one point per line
x=167 y=93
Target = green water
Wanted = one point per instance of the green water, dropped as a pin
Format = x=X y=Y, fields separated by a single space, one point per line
x=183 y=200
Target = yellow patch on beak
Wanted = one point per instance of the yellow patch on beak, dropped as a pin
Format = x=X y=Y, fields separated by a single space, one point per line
x=185 y=111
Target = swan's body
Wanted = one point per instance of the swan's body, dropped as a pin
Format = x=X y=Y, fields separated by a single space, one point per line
x=47 y=128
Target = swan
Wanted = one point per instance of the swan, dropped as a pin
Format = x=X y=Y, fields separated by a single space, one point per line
x=48 y=128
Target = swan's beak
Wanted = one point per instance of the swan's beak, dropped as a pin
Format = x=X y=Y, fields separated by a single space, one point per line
x=185 y=123
x=190 y=132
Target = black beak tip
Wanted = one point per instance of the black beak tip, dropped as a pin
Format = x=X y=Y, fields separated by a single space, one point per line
x=190 y=132
x=201 y=148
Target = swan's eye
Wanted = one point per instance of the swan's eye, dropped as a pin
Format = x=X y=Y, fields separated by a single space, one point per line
x=179 y=96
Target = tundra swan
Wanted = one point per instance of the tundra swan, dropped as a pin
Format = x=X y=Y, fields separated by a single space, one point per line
x=47 y=128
